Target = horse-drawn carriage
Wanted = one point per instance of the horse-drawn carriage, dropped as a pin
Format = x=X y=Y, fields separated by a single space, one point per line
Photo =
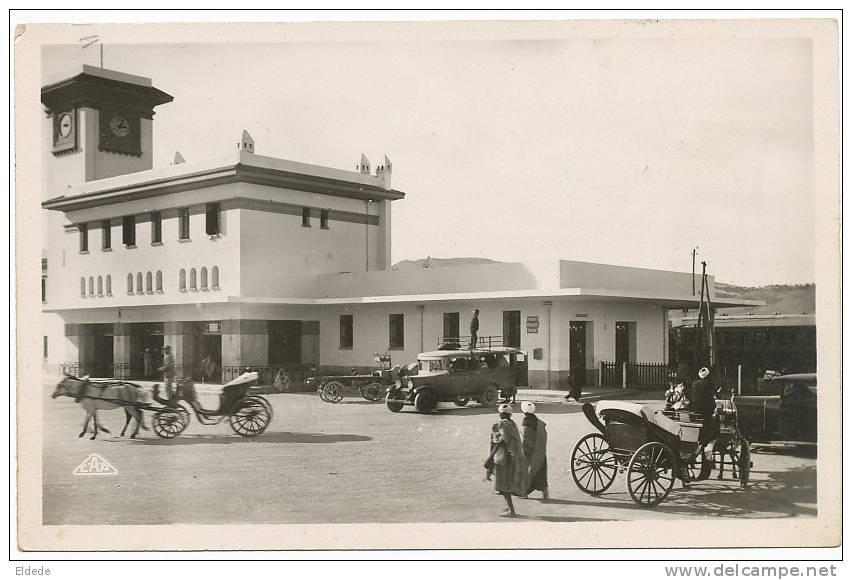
x=655 y=447
x=371 y=387
x=248 y=413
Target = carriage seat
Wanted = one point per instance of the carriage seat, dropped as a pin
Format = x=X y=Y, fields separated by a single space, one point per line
x=683 y=430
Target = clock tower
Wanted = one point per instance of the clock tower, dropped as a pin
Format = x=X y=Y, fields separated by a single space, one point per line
x=99 y=125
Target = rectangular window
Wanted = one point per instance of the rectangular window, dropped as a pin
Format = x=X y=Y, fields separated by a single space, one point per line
x=306 y=217
x=324 y=219
x=183 y=223
x=396 y=331
x=43 y=289
x=128 y=230
x=156 y=227
x=106 y=235
x=451 y=325
x=44 y=347
x=212 y=228
x=346 y=334
x=84 y=237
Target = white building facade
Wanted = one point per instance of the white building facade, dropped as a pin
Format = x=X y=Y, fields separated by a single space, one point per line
x=256 y=261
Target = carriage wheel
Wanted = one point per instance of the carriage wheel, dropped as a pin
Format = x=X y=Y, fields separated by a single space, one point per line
x=651 y=474
x=744 y=462
x=593 y=465
x=373 y=391
x=169 y=423
x=251 y=417
x=333 y=392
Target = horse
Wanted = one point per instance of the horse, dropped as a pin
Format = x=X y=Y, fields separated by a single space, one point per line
x=104 y=396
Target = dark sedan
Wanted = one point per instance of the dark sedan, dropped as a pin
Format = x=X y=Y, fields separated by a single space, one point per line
x=785 y=413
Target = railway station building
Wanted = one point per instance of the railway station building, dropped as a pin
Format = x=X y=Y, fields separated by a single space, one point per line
x=250 y=260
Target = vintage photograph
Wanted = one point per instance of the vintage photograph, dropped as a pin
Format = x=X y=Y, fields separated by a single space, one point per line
x=319 y=277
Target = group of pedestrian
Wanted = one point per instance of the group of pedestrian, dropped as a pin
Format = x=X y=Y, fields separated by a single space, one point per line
x=518 y=458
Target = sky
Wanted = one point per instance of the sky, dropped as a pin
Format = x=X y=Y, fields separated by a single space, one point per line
x=613 y=150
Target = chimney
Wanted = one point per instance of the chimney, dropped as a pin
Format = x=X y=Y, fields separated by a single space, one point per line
x=385 y=172
x=246 y=142
x=365 y=164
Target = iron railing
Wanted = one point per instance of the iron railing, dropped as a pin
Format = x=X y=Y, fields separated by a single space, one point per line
x=644 y=376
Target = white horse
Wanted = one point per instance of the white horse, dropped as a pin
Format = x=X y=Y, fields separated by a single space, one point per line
x=104 y=396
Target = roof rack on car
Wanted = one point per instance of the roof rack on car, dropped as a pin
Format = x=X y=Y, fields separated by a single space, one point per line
x=464 y=343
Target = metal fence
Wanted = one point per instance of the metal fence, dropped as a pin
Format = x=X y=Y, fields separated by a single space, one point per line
x=644 y=376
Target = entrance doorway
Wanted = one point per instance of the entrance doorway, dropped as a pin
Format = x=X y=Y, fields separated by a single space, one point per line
x=285 y=342
x=211 y=358
x=625 y=342
x=103 y=356
x=512 y=328
x=146 y=350
x=577 y=355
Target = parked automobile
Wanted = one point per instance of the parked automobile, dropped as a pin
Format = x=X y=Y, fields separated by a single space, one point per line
x=785 y=412
x=459 y=376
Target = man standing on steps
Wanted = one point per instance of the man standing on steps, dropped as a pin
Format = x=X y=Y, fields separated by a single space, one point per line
x=474 y=329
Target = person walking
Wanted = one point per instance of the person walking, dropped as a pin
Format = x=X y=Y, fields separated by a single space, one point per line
x=506 y=460
x=168 y=369
x=148 y=363
x=474 y=329
x=534 y=432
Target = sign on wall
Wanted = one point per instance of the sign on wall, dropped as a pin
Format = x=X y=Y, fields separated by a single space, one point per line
x=532 y=324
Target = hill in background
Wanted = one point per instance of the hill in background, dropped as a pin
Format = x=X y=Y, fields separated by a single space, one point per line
x=779 y=298
x=430 y=262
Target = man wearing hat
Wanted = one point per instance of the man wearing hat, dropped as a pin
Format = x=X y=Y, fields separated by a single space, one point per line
x=506 y=460
x=704 y=405
x=534 y=432
x=474 y=329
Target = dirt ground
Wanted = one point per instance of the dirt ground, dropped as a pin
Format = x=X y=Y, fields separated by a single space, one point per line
x=358 y=462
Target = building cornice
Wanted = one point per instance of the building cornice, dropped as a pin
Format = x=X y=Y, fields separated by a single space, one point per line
x=237 y=172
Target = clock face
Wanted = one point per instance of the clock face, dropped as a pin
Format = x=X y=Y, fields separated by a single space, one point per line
x=119 y=126
x=65 y=124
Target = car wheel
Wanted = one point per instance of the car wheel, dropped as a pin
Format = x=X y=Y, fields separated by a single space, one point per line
x=395 y=406
x=461 y=402
x=489 y=396
x=424 y=402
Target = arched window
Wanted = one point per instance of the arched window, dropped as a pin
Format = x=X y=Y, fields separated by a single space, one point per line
x=130 y=283
x=139 y=282
x=192 y=278
x=215 y=278
x=182 y=279
x=100 y=285
x=159 y=281
x=91 y=286
x=204 y=278
x=82 y=286
x=149 y=283
x=109 y=285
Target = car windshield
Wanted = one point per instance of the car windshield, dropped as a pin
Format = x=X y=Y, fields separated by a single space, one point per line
x=431 y=365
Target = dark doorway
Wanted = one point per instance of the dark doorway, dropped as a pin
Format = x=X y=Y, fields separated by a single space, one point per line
x=285 y=342
x=146 y=337
x=512 y=328
x=577 y=355
x=103 y=356
x=451 y=325
x=623 y=342
x=211 y=358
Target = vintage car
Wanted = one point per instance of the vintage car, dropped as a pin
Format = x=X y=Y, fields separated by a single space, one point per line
x=458 y=375
x=785 y=411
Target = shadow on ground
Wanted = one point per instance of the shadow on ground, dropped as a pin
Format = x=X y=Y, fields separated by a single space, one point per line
x=778 y=497
x=273 y=437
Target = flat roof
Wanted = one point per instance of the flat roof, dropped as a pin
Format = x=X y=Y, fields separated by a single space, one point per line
x=674 y=302
x=240 y=166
